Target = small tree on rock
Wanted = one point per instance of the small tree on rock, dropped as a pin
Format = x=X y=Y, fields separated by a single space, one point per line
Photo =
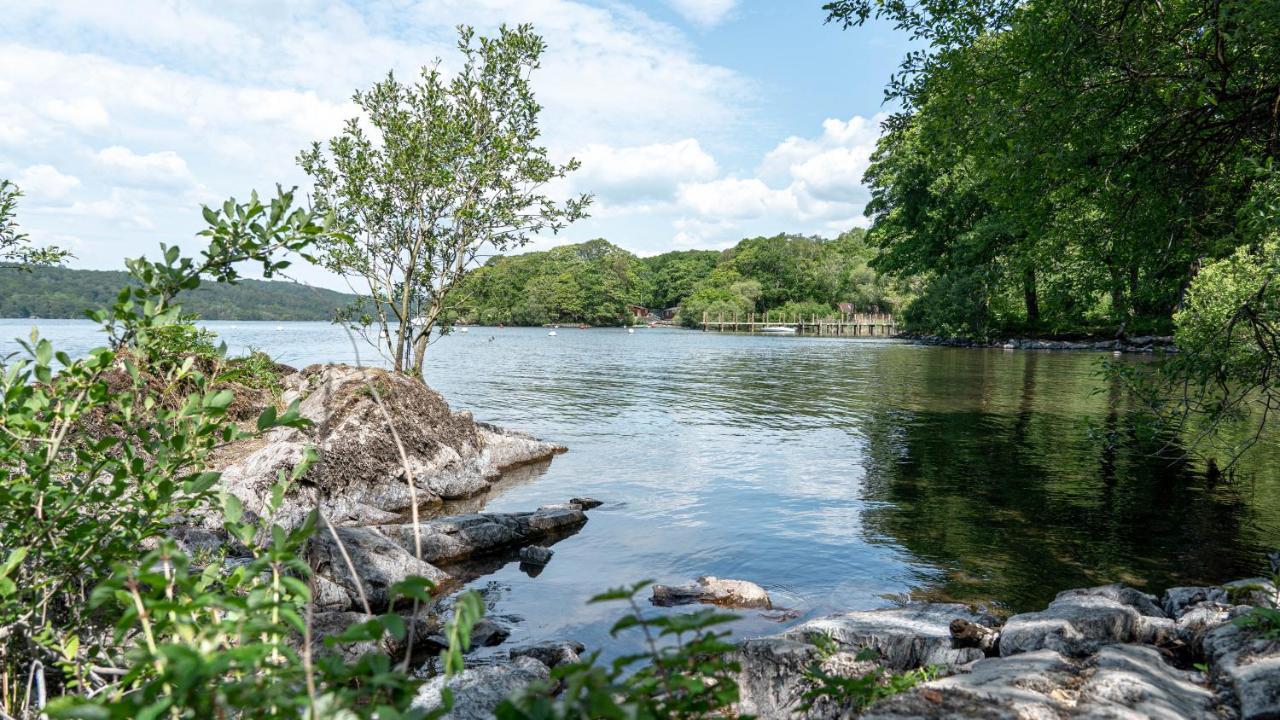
x=449 y=171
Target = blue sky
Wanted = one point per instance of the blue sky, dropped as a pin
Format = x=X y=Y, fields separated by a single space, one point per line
x=698 y=122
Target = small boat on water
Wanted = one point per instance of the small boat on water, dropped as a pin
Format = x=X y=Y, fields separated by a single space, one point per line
x=552 y=333
x=777 y=330
x=462 y=329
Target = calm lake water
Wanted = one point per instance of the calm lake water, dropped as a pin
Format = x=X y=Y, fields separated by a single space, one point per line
x=838 y=473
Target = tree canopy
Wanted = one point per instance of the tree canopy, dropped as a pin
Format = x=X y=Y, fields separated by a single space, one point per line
x=1070 y=165
x=450 y=171
x=594 y=282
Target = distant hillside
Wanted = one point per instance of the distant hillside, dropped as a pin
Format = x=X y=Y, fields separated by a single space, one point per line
x=67 y=293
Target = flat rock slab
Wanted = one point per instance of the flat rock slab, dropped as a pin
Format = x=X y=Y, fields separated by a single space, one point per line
x=1121 y=682
x=478 y=691
x=771 y=679
x=1078 y=622
x=912 y=636
x=452 y=539
x=714 y=591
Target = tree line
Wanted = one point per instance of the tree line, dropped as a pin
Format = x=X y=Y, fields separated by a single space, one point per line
x=595 y=282
x=59 y=292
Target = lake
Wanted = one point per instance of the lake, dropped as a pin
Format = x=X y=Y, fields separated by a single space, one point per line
x=837 y=473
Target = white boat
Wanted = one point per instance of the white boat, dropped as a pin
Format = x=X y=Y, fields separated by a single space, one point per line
x=552 y=333
x=631 y=331
x=778 y=330
x=462 y=329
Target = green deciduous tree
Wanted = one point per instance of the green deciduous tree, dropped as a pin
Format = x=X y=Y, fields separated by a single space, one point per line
x=448 y=171
x=1070 y=165
x=16 y=250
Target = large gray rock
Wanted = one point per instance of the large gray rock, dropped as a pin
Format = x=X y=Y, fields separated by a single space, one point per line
x=911 y=636
x=477 y=691
x=360 y=476
x=1121 y=682
x=771 y=681
x=1078 y=622
x=451 y=539
x=714 y=591
x=1252 y=591
x=1247 y=666
x=379 y=562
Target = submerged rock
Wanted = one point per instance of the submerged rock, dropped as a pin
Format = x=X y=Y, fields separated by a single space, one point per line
x=359 y=478
x=536 y=555
x=714 y=591
x=551 y=653
x=1078 y=622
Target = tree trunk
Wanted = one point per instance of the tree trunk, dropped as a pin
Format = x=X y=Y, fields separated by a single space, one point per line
x=1029 y=296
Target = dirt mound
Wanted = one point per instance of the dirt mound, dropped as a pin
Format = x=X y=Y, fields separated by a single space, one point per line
x=359 y=478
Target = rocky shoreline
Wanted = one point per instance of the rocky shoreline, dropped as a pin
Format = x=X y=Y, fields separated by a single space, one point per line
x=1103 y=652
x=1136 y=344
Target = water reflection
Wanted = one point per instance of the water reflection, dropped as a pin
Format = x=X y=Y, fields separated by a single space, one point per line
x=1011 y=493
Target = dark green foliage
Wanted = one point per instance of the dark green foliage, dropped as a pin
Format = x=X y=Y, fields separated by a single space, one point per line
x=792 y=273
x=56 y=292
x=1067 y=166
x=591 y=282
x=676 y=274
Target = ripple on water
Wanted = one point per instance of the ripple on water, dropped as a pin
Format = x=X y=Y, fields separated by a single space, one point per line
x=836 y=473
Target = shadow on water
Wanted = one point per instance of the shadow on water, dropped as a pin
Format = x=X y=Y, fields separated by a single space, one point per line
x=1014 y=500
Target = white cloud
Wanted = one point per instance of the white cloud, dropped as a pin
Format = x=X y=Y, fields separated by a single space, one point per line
x=736 y=198
x=646 y=172
x=40 y=182
x=82 y=113
x=157 y=169
x=704 y=12
x=804 y=184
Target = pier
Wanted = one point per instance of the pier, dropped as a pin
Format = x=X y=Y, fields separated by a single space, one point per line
x=836 y=325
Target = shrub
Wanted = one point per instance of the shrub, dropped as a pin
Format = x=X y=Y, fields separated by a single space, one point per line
x=98 y=460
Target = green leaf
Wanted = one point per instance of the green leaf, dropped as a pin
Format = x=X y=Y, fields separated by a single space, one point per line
x=201 y=482
x=267 y=419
